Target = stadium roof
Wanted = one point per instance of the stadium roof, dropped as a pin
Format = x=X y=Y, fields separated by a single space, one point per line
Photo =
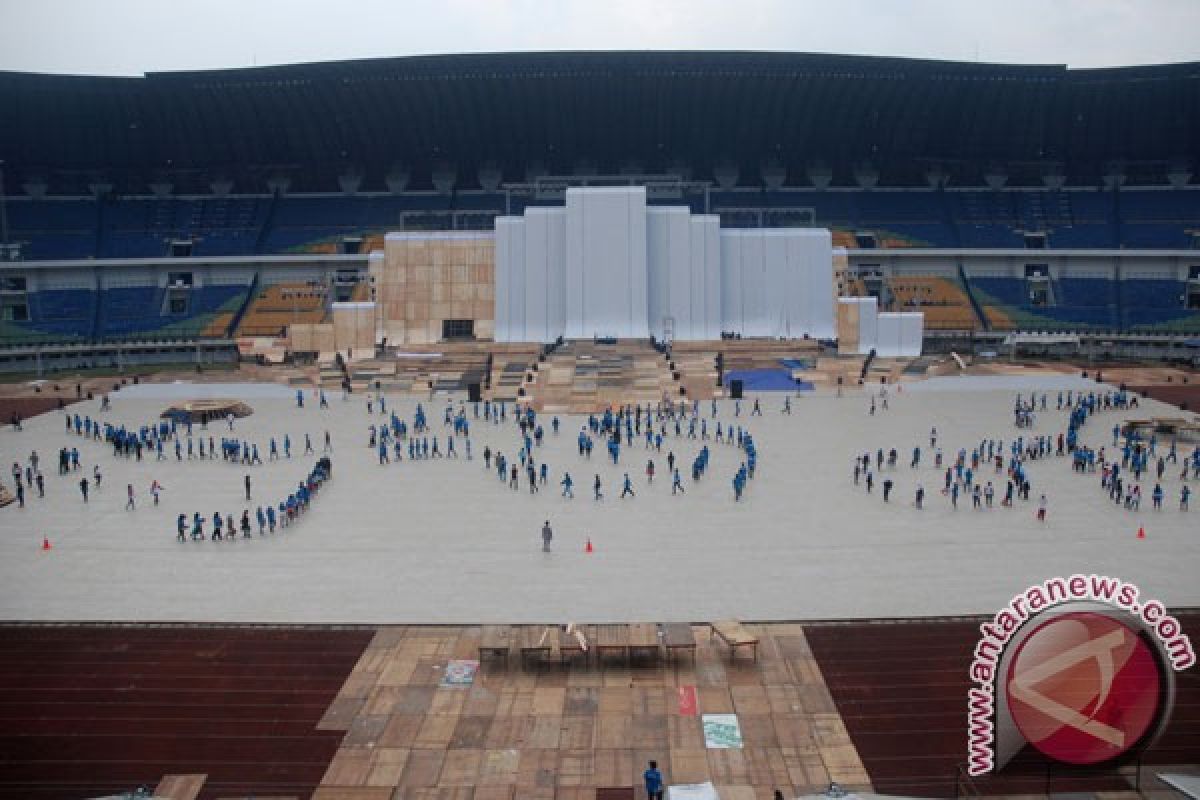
x=608 y=109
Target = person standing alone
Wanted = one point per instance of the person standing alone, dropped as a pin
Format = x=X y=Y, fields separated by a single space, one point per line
x=654 y=782
x=547 y=535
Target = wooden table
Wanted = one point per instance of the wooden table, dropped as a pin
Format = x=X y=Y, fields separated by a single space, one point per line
x=536 y=641
x=678 y=636
x=495 y=640
x=612 y=637
x=735 y=635
x=574 y=643
x=643 y=636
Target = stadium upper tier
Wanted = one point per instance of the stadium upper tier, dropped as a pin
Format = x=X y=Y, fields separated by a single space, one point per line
x=478 y=121
x=112 y=227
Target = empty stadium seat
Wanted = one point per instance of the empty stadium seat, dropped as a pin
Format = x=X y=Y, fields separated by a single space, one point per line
x=279 y=305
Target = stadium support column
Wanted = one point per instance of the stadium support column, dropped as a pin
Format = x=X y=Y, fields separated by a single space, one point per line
x=606 y=280
x=3 y=212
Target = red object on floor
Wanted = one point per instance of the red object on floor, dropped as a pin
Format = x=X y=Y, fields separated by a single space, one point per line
x=588 y=547
x=1141 y=533
x=687 y=701
x=46 y=544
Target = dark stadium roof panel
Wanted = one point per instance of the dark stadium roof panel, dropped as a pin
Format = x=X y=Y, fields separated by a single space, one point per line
x=313 y=121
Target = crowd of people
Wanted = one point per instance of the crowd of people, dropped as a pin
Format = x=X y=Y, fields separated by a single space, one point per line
x=993 y=472
x=619 y=429
x=282 y=514
x=963 y=478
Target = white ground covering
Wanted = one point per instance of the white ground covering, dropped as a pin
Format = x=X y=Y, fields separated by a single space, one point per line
x=444 y=541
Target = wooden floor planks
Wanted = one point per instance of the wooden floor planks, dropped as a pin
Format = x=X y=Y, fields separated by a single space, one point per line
x=559 y=732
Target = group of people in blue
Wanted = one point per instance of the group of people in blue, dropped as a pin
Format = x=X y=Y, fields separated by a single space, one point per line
x=282 y=514
x=154 y=438
x=394 y=436
x=963 y=476
x=619 y=429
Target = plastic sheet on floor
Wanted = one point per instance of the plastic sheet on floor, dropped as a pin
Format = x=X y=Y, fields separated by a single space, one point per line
x=762 y=380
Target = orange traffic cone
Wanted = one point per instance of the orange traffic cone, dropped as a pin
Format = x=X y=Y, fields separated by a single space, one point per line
x=588 y=547
x=1141 y=533
x=46 y=544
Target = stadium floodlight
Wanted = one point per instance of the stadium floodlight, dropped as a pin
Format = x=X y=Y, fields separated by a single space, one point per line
x=726 y=173
x=350 y=180
x=397 y=178
x=1179 y=173
x=489 y=175
x=866 y=175
x=773 y=172
x=996 y=177
x=820 y=174
x=444 y=176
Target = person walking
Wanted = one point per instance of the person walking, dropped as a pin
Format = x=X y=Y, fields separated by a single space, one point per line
x=547 y=535
x=677 y=484
x=247 y=481
x=129 y=504
x=654 y=782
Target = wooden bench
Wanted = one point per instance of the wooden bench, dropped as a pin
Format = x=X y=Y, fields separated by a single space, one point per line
x=536 y=641
x=496 y=640
x=643 y=637
x=735 y=635
x=678 y=636
x=611 y=638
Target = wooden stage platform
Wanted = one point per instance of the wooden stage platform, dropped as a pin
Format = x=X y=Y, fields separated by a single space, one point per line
x=375 y=714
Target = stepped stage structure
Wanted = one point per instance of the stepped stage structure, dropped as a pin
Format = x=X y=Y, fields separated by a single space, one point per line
x=605 y=265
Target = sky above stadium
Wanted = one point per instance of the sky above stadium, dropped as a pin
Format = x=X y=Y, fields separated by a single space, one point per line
x=131 y=37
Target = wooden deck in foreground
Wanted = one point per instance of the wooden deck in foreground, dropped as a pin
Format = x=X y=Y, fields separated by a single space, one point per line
x=560 y=731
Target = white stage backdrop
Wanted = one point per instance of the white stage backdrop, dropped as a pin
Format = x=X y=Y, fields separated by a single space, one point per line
x=889 y=334
x=684 y=266
x=777 y=282
x=608 y=265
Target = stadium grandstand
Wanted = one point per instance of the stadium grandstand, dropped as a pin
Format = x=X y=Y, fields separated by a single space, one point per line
x=178 y=207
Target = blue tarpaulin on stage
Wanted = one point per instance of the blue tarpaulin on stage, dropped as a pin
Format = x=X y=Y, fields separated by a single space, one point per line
x=766 y=380
x=795 y=363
